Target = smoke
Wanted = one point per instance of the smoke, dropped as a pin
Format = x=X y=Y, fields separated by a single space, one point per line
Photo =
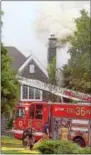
x=57 y=17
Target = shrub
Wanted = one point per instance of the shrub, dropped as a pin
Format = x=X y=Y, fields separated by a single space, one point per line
x=9 y=124
x=86 y=150
x=58 y=147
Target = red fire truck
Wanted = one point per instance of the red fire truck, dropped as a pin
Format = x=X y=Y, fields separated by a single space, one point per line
x=38 y=113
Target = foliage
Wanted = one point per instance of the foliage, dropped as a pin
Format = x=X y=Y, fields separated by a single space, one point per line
x=21 y=150
x=9 y=83
x=10 y=145
x=52 y=71
x=77 y=71
x=67 y=76
x=9 y=124
x=52 y=76
x=10 y=140
x=86 y=150
x=57 y=147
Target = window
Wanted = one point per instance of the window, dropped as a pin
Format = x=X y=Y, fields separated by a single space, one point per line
x=30 y=93
x=39 y=112
x=32 y=111
x=37 y=94
x=25 y=92
x=32 y=68
x=20 y=112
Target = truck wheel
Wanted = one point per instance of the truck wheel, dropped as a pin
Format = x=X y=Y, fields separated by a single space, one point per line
x=79 y=141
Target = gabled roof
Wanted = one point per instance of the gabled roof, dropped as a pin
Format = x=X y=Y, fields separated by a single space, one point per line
x=17 y=57
x=32 y=57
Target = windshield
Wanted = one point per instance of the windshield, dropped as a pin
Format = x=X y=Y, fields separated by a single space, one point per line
x=20 y=112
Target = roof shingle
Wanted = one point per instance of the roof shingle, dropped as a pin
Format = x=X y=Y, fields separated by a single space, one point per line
x=17 y=57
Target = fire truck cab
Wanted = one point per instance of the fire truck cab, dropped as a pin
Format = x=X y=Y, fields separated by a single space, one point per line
x=28 y=113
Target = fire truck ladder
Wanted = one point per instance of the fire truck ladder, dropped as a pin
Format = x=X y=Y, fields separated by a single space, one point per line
x=62 y=92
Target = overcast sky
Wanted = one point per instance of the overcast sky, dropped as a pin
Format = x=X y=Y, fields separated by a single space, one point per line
x=27 y=25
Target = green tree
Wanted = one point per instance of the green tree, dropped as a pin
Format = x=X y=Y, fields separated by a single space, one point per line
x=9 y=83
x=52 y=77
x=77 y=71
x=52 y=71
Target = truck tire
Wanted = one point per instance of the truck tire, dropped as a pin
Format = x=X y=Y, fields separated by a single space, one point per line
x=79 y=141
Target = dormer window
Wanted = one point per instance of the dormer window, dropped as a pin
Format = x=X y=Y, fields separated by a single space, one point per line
x=32 y=68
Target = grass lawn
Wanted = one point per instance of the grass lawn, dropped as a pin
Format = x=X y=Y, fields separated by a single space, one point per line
x=10 y=145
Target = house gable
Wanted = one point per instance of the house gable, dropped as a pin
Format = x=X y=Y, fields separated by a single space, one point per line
x=40 y=72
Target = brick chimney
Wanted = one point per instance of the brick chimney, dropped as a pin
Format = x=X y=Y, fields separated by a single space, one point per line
x=52 y=48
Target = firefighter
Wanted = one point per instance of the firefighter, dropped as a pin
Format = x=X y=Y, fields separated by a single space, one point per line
x=28 y=138
x=64 y=131
x=46 y=130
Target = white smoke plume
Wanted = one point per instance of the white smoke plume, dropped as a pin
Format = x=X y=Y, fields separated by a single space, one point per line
x=57 y=17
